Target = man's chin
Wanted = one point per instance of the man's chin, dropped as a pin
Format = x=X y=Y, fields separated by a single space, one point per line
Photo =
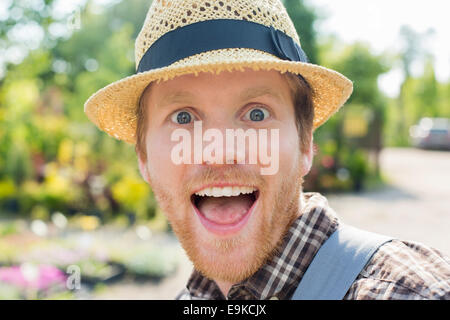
x=227 y=261
x=231 y=258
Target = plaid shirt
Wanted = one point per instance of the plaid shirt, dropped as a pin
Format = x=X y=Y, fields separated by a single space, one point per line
x=398 y=270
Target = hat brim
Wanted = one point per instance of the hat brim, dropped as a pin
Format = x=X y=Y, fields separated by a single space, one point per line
x=113 y=108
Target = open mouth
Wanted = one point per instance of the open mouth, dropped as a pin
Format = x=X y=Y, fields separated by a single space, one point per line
x=224 y=210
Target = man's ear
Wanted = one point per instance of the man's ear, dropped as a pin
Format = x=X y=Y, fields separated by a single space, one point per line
x=143 y=168
x=308 y=158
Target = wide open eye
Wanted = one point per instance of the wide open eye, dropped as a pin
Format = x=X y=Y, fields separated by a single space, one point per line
x=181 y=117
x=257 y=114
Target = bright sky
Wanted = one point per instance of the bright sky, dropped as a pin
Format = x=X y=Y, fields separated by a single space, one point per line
x=378 y=24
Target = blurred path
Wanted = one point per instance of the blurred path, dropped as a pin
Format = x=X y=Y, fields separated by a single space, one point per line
x=415 y=205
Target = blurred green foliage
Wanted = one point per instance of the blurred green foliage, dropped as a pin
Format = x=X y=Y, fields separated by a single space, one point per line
x=53 y=159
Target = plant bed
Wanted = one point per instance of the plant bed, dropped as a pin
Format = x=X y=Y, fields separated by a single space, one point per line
x=93 y=272
x=31 y=281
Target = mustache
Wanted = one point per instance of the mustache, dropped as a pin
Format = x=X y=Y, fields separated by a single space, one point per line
x=231 y=174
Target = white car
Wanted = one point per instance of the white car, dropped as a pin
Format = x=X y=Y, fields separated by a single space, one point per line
x=431 y=133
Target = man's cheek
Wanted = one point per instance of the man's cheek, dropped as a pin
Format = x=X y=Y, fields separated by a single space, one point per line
x=159 y=152
x=288 y=153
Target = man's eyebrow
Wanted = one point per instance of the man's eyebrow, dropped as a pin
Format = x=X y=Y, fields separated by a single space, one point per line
x=177 y=96
x=255 y=92
x=247 y=94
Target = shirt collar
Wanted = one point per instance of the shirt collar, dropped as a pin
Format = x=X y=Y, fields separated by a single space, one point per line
x=279 y=276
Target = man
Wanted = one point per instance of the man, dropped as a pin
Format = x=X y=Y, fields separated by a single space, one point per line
x=207 y=73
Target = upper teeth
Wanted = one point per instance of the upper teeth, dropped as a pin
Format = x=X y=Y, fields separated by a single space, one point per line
x=225 y=191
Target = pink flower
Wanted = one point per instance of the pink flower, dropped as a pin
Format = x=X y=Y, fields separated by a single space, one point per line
x=46 y=276
x=13 y=275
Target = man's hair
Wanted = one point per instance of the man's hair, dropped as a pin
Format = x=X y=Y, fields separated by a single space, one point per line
x=303 y=107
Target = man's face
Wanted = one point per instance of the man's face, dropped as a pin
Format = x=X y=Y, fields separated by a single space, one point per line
x=227 y=232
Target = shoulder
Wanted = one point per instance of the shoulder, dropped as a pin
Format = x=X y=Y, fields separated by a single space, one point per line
x=403 y=270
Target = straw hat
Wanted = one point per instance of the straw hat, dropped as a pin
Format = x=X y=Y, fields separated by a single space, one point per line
x=191 y=36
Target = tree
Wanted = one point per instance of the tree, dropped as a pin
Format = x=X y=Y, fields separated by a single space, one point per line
x=50 y=153
x=303 y=18
x=412 y=51
x=428 y=93
x=366 y=106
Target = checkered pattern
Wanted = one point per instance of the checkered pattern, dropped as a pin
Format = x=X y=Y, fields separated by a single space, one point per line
x=398 y=270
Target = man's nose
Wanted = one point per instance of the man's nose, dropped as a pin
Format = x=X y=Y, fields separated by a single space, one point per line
x=229 y=149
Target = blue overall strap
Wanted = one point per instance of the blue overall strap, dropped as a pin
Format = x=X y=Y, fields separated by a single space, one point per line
x=338 y=263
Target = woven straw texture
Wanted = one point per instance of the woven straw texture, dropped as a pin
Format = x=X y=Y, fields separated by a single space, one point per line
x=113 y=108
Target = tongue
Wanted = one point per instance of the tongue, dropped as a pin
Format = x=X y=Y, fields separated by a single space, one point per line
x=225 y=210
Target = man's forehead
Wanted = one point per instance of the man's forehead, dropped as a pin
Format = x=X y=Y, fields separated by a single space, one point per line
x=245 y=93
